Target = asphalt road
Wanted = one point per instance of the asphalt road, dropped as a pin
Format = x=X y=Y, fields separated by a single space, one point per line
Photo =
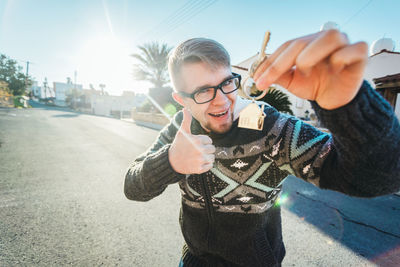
x=62 y=202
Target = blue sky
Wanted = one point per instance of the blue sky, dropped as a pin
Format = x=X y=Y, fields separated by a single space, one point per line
x=96 y=37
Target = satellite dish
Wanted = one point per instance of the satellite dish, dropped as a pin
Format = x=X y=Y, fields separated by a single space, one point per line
x=382 y=44
x=329 y=26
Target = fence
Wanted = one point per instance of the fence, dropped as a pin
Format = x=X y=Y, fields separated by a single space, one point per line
x=6 y=99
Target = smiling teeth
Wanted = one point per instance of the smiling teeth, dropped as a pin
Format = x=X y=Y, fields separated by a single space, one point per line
x=218 y=114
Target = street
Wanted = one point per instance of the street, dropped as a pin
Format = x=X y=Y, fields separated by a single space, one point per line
x=62 y=202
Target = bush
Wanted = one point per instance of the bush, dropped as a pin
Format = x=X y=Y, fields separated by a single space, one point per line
x=19 y=101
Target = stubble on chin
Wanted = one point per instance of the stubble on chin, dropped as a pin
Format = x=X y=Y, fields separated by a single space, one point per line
x=221 y=129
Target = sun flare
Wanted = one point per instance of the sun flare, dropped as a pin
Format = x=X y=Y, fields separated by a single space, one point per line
x=106 y=60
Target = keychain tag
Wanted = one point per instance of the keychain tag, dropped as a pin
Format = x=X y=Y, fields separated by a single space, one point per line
x=252 y=117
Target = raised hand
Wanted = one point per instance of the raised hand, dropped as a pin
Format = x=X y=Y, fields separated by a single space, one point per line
x=323 y=67
x=191 y=154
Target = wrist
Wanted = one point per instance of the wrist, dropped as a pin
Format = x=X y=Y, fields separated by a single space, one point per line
x=171 y=159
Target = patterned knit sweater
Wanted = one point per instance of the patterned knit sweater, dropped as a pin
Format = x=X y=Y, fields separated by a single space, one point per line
x=229 y=215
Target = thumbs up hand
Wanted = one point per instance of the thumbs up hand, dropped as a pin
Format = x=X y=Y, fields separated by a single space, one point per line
x=191 y=154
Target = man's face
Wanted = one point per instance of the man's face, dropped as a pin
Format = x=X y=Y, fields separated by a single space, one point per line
x=199 y=75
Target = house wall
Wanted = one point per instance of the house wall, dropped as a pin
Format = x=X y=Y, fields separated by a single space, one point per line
x=381 y=65
x=104 y=105
x=61 y=91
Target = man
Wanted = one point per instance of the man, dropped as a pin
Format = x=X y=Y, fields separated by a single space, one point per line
x=230 y=177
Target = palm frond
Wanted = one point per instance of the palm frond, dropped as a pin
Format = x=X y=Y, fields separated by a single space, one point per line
x=278 y=100
x=152 y=63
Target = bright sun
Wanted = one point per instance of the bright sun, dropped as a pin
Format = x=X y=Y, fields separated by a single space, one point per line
x=106 y=61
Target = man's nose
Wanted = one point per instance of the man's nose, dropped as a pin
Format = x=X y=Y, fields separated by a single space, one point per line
x=220 y=97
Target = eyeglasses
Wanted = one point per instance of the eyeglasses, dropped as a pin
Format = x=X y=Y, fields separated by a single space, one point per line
x=207 y=94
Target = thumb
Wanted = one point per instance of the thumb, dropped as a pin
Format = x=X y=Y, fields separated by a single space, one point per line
x=187 y=121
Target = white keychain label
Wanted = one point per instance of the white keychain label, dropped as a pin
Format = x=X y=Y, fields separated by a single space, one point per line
x=252 y=117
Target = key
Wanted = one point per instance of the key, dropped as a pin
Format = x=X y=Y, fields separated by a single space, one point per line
x=249 y=86
x=252 y=116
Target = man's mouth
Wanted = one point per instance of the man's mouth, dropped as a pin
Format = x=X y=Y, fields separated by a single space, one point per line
x=219 y=114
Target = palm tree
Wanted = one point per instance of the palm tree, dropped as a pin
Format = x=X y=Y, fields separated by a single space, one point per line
x=278 y=100
x=152 y=64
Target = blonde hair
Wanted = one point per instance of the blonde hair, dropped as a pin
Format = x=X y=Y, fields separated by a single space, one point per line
x=193 y=51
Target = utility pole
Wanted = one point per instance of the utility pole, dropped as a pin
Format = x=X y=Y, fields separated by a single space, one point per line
x=26 y=76
x=27 y=71
x=75 y=93
x=102 y=86
x=45 y=88
x=75 y=74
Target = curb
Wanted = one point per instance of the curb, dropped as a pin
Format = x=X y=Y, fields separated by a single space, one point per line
x=146 y=124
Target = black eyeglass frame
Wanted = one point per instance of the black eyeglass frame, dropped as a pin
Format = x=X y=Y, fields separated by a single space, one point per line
x=219 y=86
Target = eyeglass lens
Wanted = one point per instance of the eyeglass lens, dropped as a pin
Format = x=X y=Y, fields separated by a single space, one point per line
x=208 y=94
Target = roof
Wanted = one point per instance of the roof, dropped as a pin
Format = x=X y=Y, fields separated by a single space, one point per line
x=386 y=51
x=388 y=82
x=247 y=62
x=243 y=67
x=388 y=78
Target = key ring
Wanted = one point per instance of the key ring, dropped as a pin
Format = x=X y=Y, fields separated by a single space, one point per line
x=247 y=89
x=248 y=83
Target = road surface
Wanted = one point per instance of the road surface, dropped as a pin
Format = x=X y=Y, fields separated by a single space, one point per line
x=62 y=202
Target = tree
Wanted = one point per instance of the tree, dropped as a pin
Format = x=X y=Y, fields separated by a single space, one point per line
x=153 y=67
x=12 y=74
x=163 y=97
x=278 y=100
x=152 y=64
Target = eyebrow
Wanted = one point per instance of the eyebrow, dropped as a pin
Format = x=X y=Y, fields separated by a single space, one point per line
x=209 y=86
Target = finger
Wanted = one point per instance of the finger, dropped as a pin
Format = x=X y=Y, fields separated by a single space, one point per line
x=206 y=167
x=284 y=61
x=209 y=149
x=271 y=58
x=282 y=64
x=187 y=121
x=319 y=49
x=204 y=139
x=209 y=158
x=349 y=55
x=263 y=66
x=304 y=54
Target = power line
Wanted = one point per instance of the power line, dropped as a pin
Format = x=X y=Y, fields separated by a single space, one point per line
x=169 y=18
x=188 y=17
x=177 y=13
x=357 y=13
x=177 y=18
x=196 y=7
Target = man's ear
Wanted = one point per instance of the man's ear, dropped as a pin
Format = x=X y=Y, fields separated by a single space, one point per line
x=178 y=98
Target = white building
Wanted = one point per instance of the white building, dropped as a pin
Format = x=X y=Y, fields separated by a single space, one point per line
x=385 y=62
x=42 y=92
x=113 y=106
x=35 y=89
x=62 y=89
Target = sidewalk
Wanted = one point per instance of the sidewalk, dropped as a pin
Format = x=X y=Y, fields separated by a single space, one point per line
x=150 y=125
x=324 y=227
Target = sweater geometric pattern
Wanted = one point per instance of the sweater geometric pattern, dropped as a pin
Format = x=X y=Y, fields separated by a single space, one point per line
x=361 y=158
x=247 y=178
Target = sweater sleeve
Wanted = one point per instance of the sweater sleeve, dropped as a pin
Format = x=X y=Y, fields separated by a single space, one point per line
x=364 y=157
x=151 y=172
